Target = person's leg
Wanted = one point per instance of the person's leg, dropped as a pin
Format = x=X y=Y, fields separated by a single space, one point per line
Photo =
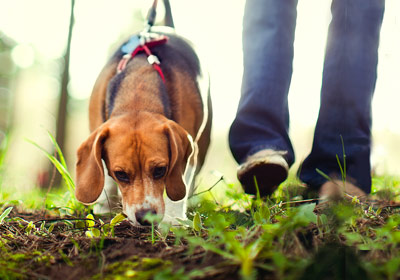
x=347 y=88
x=262 y=118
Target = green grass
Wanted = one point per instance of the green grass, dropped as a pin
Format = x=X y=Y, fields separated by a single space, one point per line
x=286 y=236
x=279 y=237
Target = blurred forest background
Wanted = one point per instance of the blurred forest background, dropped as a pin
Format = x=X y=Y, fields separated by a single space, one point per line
x=34 y=85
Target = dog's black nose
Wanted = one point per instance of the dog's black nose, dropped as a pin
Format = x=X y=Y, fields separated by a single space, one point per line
x=141 y=216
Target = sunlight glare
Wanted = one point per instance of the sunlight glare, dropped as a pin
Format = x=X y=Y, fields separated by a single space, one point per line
x=23 y=55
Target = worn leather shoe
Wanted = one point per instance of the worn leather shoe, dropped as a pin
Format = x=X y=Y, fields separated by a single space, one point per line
x=268 y=167
x=336 y=190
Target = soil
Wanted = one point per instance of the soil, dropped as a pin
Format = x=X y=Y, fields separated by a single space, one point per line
x=72 y=255
x=67 y=253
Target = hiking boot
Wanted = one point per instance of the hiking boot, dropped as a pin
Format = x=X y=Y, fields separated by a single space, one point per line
x=269 y=168
x=335 y=190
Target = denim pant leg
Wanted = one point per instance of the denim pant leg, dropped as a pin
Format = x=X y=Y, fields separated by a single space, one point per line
x=262 y=118
x=347 y=88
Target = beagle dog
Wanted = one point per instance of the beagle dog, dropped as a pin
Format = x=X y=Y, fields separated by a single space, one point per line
x=150 y=123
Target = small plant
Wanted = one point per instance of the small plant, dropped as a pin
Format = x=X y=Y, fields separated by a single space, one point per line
x=60 y=163
x=5 y=214
x=4 y=142
x=342 y=168
x=3 y=146
x=71 y=204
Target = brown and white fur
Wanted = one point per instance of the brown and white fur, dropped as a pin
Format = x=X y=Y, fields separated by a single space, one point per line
x=141 y=126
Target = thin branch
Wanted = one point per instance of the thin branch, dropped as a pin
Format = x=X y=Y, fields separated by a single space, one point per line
x=63 y=219
x=209 y=189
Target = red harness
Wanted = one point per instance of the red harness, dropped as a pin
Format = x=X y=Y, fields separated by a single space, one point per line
x=146 y=43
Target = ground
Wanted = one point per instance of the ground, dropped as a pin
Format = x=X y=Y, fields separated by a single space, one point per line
x=67 y=253
x=288 y=236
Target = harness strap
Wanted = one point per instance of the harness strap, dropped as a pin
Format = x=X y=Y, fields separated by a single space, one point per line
x=144 y=46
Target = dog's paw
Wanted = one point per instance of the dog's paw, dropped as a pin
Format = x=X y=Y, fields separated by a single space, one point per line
x=101 y=208
x=175 y=221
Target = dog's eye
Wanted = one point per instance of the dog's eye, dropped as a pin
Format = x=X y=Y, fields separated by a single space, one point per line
x=122 y=176
x=159 y=172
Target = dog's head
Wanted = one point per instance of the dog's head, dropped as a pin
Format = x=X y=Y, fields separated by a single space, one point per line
x=144 y=154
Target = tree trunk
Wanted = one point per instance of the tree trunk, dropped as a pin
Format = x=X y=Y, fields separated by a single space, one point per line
x=61 y=122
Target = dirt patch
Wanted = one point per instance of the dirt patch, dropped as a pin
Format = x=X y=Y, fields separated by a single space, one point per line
x=277 y=240
x=67 y=253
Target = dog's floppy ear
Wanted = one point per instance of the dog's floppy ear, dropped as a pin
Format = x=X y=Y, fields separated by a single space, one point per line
x=180 y=149
x=89 y=167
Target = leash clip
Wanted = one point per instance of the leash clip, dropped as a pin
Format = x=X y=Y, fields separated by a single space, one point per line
x=153 y=59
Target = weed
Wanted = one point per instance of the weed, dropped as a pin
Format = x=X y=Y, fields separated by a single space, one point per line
x=142 y=269
x=5 y=214
x=342 y=167
x=4 y=142
x=71 y=205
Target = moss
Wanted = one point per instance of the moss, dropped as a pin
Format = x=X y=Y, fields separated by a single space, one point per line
x=134 y=268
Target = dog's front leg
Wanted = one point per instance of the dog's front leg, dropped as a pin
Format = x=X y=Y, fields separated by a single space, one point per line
x=174 y=211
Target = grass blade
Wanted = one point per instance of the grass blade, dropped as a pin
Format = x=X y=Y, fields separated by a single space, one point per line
x=344 y=159
x=322 y=173
x=4 y=142
x=5 y=214
x=340 y=167
x=60 y=167
x=59 y=152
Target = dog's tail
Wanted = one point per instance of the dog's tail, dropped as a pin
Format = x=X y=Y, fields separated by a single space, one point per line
x=168 y=20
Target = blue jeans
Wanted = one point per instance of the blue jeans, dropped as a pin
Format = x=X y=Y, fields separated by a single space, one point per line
x=349 y=78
